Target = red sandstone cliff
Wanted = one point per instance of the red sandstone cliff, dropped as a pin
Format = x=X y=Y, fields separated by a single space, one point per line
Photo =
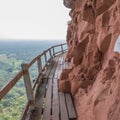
x=94 y=76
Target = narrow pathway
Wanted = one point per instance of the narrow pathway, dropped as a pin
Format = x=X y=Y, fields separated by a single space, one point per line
x=50 y=103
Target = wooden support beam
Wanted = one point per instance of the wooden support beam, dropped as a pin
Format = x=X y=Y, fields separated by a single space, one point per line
x=53 y=51
x=39 y=62
x=62 y=48
x=50 y=52
x=28 y=85
x=45 y=56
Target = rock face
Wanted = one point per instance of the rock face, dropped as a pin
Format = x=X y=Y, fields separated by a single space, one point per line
x=94 y=75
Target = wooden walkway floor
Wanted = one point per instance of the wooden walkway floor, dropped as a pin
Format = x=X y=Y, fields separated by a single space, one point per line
x=50 y=103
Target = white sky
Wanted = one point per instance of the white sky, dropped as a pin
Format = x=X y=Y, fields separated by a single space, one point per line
x=117 y=45
x=33 y=19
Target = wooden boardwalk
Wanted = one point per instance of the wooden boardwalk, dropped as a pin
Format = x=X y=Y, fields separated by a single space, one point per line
x=44 y=101
x=50 y=104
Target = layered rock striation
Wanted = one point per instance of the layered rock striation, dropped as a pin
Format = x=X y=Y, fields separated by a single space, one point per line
x=94 y=75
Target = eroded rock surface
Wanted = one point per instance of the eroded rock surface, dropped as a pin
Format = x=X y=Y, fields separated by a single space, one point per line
x=94 y=77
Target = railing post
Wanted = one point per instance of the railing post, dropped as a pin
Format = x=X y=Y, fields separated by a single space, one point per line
x=50 y=53
x=53 y=51
x=45 y=57
x=67 y=46
x=28 y=85
x=39 y=62
x=62 y=48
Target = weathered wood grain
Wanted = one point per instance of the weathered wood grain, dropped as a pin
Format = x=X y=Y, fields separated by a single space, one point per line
x=70 y=106
x=63 y=109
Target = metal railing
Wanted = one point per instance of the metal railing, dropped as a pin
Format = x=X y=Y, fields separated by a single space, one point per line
x=26 y=76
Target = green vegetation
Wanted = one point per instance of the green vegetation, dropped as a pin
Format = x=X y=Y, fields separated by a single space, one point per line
x=9 y=67
x=13 y=103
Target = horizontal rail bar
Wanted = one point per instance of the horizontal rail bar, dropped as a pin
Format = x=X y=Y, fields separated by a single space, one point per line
x=10 y=85
x=43 y=53
x=59 y=45
x=32 y=62
x=61 y=51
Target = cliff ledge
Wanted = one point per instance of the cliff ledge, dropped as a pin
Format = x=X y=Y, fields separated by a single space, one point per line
x=94 y=52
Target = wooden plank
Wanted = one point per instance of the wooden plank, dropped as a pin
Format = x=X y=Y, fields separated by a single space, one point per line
x=57 y=69
x=39 y=102
x=47 y=110
x=48 y=102
x=42 y=88
x=70 y=106
x=55 y=92
x=40 y=94
x=54 y=68
x=55 y=103
x=63 y=109
x=55 y=100
x=49 y=68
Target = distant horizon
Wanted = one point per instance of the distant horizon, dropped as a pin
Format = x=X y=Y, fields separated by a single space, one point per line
x=32 y=40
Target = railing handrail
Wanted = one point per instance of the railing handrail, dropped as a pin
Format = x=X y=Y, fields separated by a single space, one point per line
x=25 y=73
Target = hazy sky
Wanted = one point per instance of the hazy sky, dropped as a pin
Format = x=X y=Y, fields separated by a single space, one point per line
x=117 y=45
x=33 y=19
